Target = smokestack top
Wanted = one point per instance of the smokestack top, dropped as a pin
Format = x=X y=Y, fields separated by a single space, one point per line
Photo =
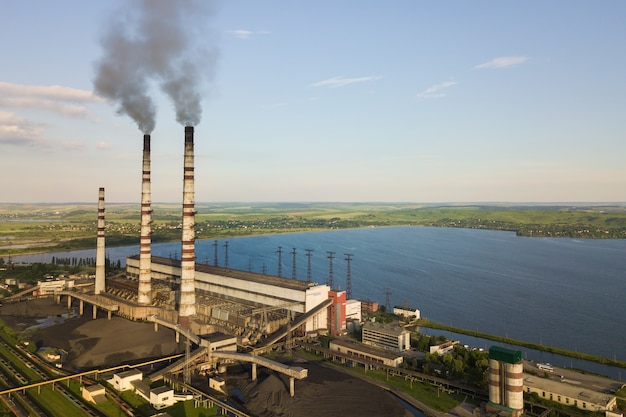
x=189 y=129
x=101 y=189
x=146 y=142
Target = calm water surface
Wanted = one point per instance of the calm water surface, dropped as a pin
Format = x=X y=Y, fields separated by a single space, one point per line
x=568 y=293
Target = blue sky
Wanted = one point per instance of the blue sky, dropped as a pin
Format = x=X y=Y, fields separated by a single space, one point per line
x=416 y=101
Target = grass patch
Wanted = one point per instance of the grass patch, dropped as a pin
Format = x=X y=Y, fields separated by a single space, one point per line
x=188 y=409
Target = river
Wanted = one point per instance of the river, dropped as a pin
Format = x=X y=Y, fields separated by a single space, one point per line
x=567 y=293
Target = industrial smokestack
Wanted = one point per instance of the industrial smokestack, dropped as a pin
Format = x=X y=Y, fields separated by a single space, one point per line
x=144 y=295
x=187 y=305
x=99 y=287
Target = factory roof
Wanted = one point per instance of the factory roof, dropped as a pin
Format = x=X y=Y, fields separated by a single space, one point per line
x=238 y=274
x=569 y=390
x=392 y=329
x=368 y=349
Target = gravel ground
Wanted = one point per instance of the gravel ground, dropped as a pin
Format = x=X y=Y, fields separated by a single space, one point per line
x=89 y=343
x=325 y=392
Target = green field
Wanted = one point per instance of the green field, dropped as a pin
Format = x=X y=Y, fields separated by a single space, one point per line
x=28 y=228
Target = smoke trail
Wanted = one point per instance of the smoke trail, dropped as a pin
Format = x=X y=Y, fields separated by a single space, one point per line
x=161 y=40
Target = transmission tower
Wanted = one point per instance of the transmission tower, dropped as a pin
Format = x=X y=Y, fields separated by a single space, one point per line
x=387 y=300
x=330 y=270
x=215 y=252
x=226 y=254
x=348 y=277
x=293 y=264
x=308 y=266
x=264 y=269
x=280 y=261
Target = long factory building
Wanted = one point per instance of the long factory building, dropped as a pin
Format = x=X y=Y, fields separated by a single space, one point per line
x=224 y=294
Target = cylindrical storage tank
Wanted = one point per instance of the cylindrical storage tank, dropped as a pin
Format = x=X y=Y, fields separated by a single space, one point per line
x=495 y=395
x=515 y=385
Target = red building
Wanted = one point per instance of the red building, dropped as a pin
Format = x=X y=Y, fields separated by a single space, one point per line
x=337 y=312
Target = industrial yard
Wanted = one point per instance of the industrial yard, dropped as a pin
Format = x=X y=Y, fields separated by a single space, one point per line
x=102 y=342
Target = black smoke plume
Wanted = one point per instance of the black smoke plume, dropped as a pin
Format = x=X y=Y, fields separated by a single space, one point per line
x=165 y=41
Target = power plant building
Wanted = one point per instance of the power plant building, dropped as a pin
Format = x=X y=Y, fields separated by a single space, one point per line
x=386 y=336
x=259 y=292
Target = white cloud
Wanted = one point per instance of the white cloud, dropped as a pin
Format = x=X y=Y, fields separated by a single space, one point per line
x=435 y=91
x=52 y=92
x=502 y=62
x=247 y=34
x=342 y=81
x=43 y=104
x=66 y=101
x=19 y=132
x=103 y=145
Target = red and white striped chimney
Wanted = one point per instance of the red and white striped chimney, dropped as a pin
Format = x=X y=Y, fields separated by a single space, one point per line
x=144 y=295
x=100 y=285
x=187 y=305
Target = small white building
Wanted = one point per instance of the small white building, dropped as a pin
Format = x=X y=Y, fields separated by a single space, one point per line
x=406 y=312
x=124 y=380
x=353 y=310
x=162 y=397
x=443 y=348
x=94 y=393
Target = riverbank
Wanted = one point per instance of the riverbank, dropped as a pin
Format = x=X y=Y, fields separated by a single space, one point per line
x=71 y=227
x=559 y=351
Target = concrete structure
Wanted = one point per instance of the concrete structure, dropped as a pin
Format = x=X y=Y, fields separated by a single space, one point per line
x=100 y=251
x=406 y=312
x=93 y=393
x=219 y=341
x=123 y=381
x=569 y=394
x=337 y=312
x=187 y=299
x=217 y=383
x=144 y=293
x=353 y=310
x=386 y=336
x=506 y=381
x=162 y=397
x=364 y=352
x=50 y=287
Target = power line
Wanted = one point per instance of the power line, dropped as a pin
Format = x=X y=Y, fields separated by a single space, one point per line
x=330 y=270
x=280 y=261
x=308 y=267
x=293 y=264
x=348 y=277
x=226 y=256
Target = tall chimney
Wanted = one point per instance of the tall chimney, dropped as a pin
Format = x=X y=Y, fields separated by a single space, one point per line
x=99 y=287
x=187 y=306
x=144 y=295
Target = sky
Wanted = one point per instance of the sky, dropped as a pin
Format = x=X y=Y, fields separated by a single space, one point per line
x=333 y=101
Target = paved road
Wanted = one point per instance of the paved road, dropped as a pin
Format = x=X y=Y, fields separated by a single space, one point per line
x=588 y=381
